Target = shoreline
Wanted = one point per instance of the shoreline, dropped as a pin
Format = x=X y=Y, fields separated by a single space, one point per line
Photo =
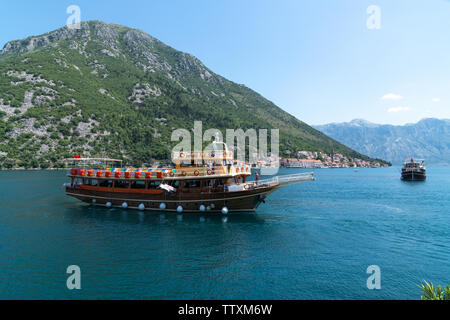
x=62 y=169
x=35 y=169
x=398 y=165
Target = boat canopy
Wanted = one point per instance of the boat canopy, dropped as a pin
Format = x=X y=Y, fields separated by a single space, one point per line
x=92 y=161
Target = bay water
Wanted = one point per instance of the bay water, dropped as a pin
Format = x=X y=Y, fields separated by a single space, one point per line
x=312 y=240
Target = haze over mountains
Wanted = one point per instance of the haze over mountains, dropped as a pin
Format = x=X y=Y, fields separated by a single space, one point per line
x=428 y=139
x=115 y=91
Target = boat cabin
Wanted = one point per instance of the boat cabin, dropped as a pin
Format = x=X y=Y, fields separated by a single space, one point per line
x=196 y=172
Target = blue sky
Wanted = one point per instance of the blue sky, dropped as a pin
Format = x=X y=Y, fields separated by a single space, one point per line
x=315 y=59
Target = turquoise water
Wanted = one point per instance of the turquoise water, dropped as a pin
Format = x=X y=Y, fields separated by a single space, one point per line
x=309 y=241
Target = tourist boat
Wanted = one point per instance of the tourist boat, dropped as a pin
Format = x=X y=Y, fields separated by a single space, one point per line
x=414 y=170
x=199 y=181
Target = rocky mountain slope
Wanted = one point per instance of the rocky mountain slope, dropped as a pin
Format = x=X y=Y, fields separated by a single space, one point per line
x=428 y=139
x=108 y=90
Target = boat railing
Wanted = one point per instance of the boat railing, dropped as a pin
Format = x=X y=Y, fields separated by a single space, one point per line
x=267 y=181
x=284 y=179
x=412 y=168
x=160 y=173
x=298 y=177
x=211 y=155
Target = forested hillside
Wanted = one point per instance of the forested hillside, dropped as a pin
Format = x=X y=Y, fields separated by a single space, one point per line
x=108 y=90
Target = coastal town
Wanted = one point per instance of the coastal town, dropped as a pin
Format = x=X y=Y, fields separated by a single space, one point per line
x=303 y=159
x=312 y=159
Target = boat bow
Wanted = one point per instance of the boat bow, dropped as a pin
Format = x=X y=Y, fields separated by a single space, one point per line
x=283 y=180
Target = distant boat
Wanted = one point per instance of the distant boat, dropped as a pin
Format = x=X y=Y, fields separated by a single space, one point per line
x=414 y=170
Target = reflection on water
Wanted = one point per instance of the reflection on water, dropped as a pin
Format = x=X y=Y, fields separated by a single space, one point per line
x=80 y=212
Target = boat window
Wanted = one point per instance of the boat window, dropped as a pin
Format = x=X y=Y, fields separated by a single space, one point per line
x=154 y=184
x=174 y=183
x=192 y=184
x=121 y=184
x=186 y=164
x=208 y=183
x=105 y=183
x=138 y=184
x=92 y=182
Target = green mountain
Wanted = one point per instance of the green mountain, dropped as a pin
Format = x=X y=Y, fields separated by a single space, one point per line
x=108 y=90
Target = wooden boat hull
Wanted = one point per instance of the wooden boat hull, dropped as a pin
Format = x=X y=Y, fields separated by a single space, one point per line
x=240 y=201
x=419 y=175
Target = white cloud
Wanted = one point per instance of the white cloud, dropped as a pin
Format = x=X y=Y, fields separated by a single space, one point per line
x=399 y=109
x=436 y=100
x=391 y=96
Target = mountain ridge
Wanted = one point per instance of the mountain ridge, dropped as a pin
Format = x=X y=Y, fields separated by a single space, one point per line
x=429 y=139
x=107 y=89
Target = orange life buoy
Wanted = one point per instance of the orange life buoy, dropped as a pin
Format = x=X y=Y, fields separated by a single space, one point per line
x=171 y=174
x=237 y=169
x=224 y=154
x=209 y=172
